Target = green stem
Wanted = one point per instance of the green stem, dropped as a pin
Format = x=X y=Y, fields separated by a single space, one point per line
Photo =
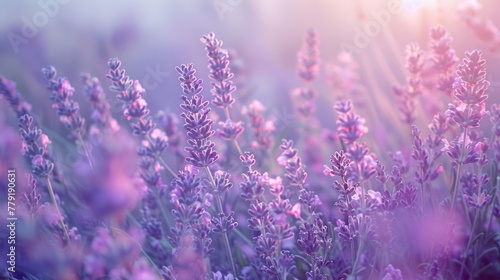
x=459 y=170
x=358 y=256
x=160 y=159
x=167 y=167
x=53 y=198
x=422 y=193
x=224 y=234
x=476 y=218
x=87 y=154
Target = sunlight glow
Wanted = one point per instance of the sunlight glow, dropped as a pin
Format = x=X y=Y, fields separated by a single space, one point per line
x=414 y=5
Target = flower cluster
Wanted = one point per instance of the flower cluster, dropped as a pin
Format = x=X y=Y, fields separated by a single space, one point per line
x=220 y=73
x=135 y=109
x=407 y=94
x=200 y=149
x=101 y=114
x=308 y=66
x=192 y=221
x=350 y=127
x=470 y=91
x=262 y=130
x=398 y=209
x=308 y=61
x=443 y=58
x=67 y=109
x=34 y=147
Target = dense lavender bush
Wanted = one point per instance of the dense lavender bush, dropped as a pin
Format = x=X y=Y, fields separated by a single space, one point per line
x=249 y=200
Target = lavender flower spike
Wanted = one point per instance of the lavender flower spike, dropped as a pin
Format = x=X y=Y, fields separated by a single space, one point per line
x=471 y=92
x=8 y=90
x=101 y=114
x=220 y=73
x=201 y=149
x=196 y=121
x=34 y=145
x=67 y=109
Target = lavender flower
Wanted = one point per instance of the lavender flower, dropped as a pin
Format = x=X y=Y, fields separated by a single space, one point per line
x=34 y=146
x=135 y=109
x=289 y=158
x=443 y=57
x=392 y=273
x=383 y=206
x=201 y=149
x=230 y=130
x=349 y=125
x=66 y=108
x=470 y=90
x=10 y=93
x=32 y=197
x=308 y=66
x=196 y=120
x=101 y=114
x=407 y=94
x=308 y=62
x=129 y=92
x=220 y=73
x=190 y=212
x=407 y=195
x=262 y=129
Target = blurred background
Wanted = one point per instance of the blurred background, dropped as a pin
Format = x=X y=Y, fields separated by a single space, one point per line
x=152 y=37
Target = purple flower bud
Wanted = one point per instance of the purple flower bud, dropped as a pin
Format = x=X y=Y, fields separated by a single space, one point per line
x=350 y=126
x=66 y=108
x=200 y=149
x=252 y=188
x=224 y=223
x=308 y=61
x=220 y=73
x=222 y=183
x=340 y=163
x=247 y=159
x=407 y=195
x=308 y=239
x=230 y=130
x=31 y=197
x=392 y=273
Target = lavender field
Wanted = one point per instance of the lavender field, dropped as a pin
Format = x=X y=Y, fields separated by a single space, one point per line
x=238 y=139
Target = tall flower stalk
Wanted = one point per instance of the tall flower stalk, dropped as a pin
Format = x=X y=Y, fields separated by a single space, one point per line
x=223 y=87
x=470 y=93
x=443 y=58
x=67 y=109
x=308 y=67
x=407 y=94
x=34 y=146
x=201 y=150
x=101 y=114
x=154 y=142
x=135 y=109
